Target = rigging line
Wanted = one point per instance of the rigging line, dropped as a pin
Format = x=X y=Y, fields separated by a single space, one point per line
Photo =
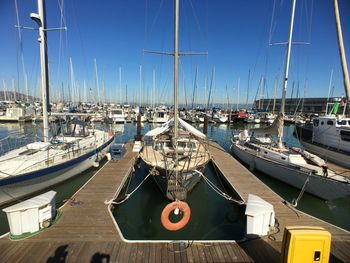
x=61 y=6
x=62 y=23
x=271 y=24
x=196 y=18
x=311 y=20
x=81 y=42
x=21 y=50
x=154 y=21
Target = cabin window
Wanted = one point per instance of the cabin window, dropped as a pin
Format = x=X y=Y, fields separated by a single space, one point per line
x=182 y=145
x=329 y=122
x=345 y=136
x=283 y=158
x=265 y=152
x=316 y=122
x=322 y=122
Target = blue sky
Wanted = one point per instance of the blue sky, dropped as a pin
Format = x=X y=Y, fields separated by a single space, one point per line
x=235 y=33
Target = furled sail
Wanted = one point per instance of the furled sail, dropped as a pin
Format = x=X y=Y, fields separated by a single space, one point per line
x=276 y=128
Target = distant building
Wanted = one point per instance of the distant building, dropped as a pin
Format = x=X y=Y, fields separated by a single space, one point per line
x=306 y=105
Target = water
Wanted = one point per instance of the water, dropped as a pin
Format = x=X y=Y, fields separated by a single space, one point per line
x=204 y=206
x=336 y=212
x=212 y=217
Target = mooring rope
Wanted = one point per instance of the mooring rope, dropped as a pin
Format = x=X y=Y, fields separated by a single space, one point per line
x=218 y=190
x=295 y=201
x=127 y=196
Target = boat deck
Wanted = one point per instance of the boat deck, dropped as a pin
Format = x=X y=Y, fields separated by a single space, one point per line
x=86 y=232
x=338 y=169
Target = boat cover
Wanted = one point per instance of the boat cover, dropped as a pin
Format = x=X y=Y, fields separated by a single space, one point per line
x=166 y=126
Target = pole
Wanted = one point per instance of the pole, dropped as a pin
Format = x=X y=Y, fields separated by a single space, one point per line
x=44 y=69
x=286 y=72
x=341 y=51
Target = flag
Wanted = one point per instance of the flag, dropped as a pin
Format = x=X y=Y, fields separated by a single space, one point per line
x=335 y=108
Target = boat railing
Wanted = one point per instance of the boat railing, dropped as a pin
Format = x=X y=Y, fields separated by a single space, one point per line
x=53 y=157
x=14 y=141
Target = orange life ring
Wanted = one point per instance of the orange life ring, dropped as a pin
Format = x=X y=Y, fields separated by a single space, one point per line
x=183 y=206
x=110 y=133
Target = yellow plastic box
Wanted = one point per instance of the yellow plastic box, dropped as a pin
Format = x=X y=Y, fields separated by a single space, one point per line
x=304 y=244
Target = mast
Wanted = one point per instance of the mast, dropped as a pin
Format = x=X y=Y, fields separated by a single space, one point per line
x=176 y=71
x=40 y=19
x=246 y=100
x=286 y=72
x=342 y=51
x=153 y=89
x=176 y=75
x=97 y=82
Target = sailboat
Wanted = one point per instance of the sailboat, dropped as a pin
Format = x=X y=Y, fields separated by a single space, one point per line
x=329 y=135
x=293 y=166
x=176 y=153
x=41 y=164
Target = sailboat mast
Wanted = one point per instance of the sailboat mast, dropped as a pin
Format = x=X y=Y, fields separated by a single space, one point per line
x=40 y=19
x=341 y=51
x=176 y=70
x=286 y=72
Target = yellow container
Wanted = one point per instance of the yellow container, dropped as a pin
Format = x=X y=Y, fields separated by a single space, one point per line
x=304 y=244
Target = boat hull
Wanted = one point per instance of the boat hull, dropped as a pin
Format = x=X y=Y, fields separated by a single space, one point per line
x=320 y=186
x=167 y=183
x=13 y=189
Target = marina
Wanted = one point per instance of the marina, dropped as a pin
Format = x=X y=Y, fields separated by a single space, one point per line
x=96 y=166
x=97 y=237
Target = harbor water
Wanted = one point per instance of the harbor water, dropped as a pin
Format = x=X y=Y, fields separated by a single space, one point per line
x=206 y=205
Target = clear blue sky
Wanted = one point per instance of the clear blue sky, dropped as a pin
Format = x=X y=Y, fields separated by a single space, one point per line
x=235 y=33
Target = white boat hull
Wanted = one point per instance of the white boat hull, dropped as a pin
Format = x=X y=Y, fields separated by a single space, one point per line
x=320 y=186
x=15 y=191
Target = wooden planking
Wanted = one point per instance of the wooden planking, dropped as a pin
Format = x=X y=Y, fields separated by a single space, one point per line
x=244 y=182
x=86 y=232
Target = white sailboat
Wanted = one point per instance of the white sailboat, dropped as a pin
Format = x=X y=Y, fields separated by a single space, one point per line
x=293 y=166
x=329 y=135
x=176 y=152
x=38 y=165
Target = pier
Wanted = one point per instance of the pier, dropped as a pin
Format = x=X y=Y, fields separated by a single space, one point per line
x=86 y=232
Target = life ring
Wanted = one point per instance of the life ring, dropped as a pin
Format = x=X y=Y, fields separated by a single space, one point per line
x=182 y=206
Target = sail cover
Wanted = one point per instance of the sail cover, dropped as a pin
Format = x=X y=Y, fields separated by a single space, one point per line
x=166 y=126
x=192 y=129
x=160 y=130
x=274 y=129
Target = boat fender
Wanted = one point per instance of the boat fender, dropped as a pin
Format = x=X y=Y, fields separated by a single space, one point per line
x=109 y=156
x=177 y=206
x=96 y=164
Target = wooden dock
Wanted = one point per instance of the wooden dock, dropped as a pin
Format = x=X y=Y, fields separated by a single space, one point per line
x=86 y=232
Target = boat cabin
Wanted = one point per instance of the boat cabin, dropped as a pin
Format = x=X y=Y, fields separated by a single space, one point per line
x=76 y=128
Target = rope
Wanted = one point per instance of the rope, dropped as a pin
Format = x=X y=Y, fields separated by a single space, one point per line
x=127 y=196
x=295 y=201
x=218 y=190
